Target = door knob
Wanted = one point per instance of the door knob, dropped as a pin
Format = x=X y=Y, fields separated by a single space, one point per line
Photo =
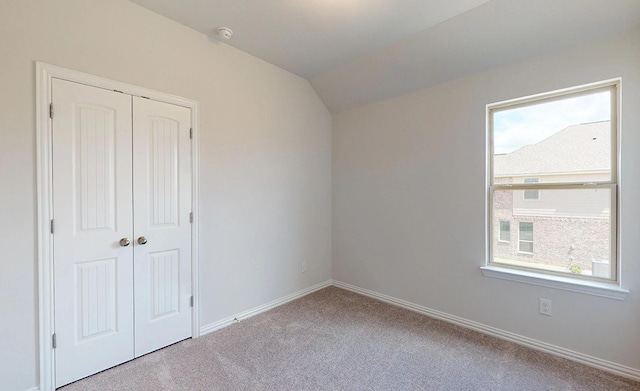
x=142 y=240
x=124 y=242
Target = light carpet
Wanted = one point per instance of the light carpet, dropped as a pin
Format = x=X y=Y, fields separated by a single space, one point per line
x=338 y=340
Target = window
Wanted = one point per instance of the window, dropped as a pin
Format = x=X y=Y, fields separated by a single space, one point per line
x=505 y=231
x=525 y=237
x=558 y=149
x=531 y=194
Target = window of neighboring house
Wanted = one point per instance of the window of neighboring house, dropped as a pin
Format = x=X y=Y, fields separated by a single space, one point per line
x=531 y=194
x=565 y=143
x=505 y=231
x=525 y=237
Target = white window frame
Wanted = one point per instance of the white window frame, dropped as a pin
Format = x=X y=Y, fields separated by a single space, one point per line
x=500 y=239
x=520 y=240
x=611 y=288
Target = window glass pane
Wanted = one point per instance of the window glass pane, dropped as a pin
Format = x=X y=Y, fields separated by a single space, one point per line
x=562 y=140
x=526 y=231
x=567 y=231
x=526 y=247
x=531 y=194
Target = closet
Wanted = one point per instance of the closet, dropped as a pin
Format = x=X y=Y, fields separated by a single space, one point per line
x=121 y=207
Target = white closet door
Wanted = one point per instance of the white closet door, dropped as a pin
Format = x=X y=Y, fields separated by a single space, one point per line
x=162 y=205
x=92 y=202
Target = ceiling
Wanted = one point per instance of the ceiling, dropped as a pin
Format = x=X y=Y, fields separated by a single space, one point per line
x=307 y=37
x=356 y=52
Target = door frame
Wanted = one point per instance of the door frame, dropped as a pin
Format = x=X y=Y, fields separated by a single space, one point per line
x=44 y=75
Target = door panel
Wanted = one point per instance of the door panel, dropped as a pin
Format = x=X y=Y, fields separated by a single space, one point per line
x=92 y=202
x=164 y=276
x=94 y=135
x=162 y=172
x=162 y=205
x=96 y=299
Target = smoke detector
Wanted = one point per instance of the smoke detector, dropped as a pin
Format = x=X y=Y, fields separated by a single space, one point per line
x=224 y=32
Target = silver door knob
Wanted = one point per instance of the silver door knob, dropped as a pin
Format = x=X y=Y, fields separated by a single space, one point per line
x=142 y=240
x=124 y=242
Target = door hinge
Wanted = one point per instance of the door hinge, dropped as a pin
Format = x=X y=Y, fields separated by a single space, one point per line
x=53 y=226
x=51 y=110
x=191 y=217
x=54 y=343
x=190 y=133
x=191 y=301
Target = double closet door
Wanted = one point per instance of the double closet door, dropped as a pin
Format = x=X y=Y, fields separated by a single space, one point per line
x=121 y=229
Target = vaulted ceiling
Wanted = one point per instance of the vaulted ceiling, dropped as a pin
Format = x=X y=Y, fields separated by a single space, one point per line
x=356 y=52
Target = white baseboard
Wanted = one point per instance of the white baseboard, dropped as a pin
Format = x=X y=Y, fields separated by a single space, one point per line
x=591 y=361
x=34 y=389
x=265 y=307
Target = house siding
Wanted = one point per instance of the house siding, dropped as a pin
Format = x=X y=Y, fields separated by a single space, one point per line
x=571 y=228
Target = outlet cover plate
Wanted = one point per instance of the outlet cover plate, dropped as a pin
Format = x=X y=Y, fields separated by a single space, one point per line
x=545 y=307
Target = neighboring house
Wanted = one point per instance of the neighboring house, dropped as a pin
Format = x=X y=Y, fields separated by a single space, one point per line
x=564 y=230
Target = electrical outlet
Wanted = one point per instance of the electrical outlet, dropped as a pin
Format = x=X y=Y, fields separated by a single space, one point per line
x=545 y=307
x=304 y=267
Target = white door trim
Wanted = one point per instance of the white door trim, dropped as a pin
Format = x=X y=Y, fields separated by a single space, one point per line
x=44 y=74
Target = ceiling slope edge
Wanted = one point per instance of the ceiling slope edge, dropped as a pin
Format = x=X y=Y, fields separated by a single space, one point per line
x=492 y=35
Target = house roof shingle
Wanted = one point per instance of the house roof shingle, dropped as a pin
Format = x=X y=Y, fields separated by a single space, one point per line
x=577 y=148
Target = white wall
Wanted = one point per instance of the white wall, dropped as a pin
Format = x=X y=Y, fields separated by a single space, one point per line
x=265 y=157
x=409 y=203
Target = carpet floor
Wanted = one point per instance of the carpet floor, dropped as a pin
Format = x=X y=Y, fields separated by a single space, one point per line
x=338 y=340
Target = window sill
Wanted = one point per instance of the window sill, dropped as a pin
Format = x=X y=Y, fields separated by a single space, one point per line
x=593 y=288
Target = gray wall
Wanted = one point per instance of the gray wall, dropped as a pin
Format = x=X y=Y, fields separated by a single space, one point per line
x=265 y=145
x=409 y=203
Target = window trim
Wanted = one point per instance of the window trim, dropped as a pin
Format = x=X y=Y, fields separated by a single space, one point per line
x=613 y=85
x=594 y=288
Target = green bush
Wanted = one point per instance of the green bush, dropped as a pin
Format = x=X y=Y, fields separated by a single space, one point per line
x=575 y=269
